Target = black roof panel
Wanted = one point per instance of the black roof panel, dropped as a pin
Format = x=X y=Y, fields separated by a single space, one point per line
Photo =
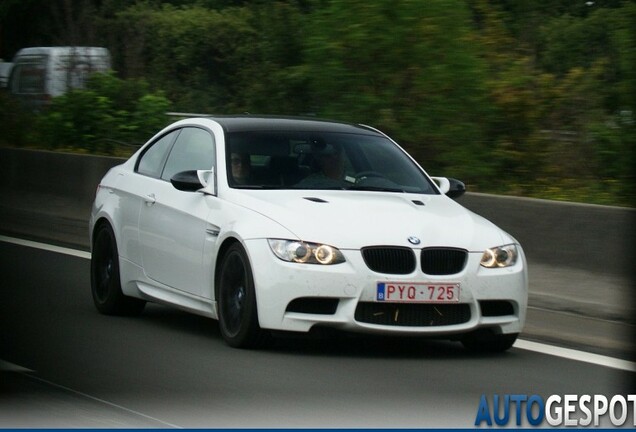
x=264 y=123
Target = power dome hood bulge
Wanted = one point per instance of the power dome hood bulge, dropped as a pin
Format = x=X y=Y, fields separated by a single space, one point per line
x=355 y=219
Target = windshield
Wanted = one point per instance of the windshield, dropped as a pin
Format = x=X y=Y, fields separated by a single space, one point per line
x=321 y=161
x=29 y=75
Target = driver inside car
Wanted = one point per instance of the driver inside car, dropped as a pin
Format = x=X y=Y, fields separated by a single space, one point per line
x=241 y=166
x=328 y=166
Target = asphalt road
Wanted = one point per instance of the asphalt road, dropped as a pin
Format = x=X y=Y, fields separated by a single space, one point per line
x=65 y=365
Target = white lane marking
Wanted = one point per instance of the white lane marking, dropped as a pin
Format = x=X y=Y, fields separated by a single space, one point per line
x=10 y=367
x=46 y=247
x=521 y=344
x=6 y=366
x=572 y=354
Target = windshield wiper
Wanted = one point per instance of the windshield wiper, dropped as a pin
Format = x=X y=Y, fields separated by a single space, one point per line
x=317 y=188
x=257 y=187
x=375 y=188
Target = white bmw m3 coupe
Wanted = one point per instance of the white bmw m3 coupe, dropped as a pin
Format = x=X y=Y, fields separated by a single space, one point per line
x=289 y=224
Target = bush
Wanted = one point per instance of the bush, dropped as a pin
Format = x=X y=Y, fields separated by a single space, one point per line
x=110 y=116
x=14 y=121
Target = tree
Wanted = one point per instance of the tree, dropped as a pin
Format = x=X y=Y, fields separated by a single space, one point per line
x=193 y=53
x=409 y=68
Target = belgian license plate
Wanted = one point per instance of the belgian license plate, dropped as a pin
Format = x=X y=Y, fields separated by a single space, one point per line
x=417 y=292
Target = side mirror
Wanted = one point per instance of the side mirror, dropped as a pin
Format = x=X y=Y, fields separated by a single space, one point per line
x=457 y=188
x=187 y=181
x=193 y=181
x=450 y=187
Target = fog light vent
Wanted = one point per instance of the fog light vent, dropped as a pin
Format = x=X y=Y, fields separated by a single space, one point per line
x=313 y=305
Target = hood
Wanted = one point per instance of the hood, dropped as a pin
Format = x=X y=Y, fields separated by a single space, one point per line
x=355 y=219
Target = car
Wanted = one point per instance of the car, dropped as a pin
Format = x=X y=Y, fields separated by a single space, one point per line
x=41 y=73
x=272 y=224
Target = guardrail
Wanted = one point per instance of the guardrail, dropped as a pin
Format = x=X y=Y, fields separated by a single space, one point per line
x=592 y=237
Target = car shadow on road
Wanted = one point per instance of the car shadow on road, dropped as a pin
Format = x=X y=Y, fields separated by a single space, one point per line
x=319 y=342
x=329 y=342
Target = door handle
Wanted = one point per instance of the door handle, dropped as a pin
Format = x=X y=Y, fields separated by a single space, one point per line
x=150 y=199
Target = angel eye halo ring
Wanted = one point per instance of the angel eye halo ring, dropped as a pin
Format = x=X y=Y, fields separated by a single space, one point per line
x=500 y=256
x=297 y=251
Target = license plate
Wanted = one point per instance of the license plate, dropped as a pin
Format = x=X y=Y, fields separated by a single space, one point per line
x=417 y=292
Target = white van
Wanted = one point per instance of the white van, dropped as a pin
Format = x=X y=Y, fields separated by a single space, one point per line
x=41 y=73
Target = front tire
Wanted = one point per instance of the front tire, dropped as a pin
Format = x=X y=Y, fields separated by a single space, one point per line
x=238 y=314
x=485 y=341
x=105 y=281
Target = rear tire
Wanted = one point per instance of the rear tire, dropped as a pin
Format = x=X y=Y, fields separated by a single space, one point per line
x=105 y=281
x=485 y=341
x=238 y=314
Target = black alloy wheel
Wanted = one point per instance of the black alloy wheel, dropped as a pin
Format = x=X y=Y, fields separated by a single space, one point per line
x=238 y=315
x=105 y=283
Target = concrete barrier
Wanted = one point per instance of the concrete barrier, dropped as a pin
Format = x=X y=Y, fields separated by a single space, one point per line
x=591 y=237
x=72 y=176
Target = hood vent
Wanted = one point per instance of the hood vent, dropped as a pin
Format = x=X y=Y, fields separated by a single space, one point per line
x=314 y=199
x=418 y=202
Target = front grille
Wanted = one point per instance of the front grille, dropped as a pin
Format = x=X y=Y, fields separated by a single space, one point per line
x=412 y=315
x=443 y=261
x=390 y=260
x=494 y=308
x=313 y=305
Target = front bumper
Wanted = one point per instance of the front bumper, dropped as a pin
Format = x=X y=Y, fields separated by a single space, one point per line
x=343 y=296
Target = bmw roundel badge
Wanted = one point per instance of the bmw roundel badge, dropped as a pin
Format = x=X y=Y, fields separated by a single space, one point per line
x=414 y=240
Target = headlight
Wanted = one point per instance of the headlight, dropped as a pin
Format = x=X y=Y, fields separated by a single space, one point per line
x=501 y=256
x=303 y=252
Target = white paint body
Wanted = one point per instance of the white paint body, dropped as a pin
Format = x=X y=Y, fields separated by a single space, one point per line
x=169 y=246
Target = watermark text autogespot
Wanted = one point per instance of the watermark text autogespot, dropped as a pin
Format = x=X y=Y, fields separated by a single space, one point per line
x=556 y=410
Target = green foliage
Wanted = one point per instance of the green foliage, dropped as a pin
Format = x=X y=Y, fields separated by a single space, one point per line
x=14 y=121
x=191 y=52
x=533 y=97
x=558 y=78
x=275 y=79
x=409 y=68
x=105 y=117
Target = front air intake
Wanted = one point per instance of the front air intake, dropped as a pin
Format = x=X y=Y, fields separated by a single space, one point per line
x=494 y=308
x=412 y=315
x=313 y=305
